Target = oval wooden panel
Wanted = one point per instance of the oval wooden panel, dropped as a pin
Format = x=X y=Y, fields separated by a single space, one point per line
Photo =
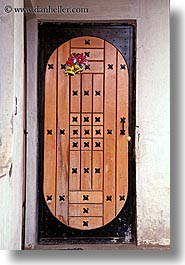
x=85 y=135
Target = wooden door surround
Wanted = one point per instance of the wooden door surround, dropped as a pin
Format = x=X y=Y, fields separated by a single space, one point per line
x=86 y=135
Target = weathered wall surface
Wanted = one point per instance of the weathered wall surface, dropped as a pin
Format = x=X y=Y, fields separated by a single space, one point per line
x=31 y=127
x=153 y=119
x=6 y=88
x=11 y=127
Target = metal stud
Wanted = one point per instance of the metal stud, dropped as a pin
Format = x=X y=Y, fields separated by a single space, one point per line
x=49 y=132
x=88 y=67
x=87 y=42
x=108 y=198
x=86 y=132
x=110 y=66
x=75 y=132
x=85 y=223
x=122 y=120
x=75 y=93
x=74 y=119
x=109 y=131
x=122 y=197
x=87 y=54
x=85 y=210
x=86 y=119
x=122 y=132
x=50 y=66
x=97 y=93
x=75 y=144
x=122 y=66
x=49 y=197
x=98 y=132
x=86 y=92
x=97 y=119
x=86 y=170
x=86 y=144
x=74 y=170
x=97 y=144
x=62 y=131
x=97 y=170
x=85 y=197
x=63 y=66
x=61 y=198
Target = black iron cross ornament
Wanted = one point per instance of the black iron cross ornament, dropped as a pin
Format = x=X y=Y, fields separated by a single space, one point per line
x=87 y=54
x=86 y=119
x=61 y=198
x=85 y=223
x=75 y=144
x=88 y=67
x=87 y=42
x=85 y=210
x=86 y=132
x=86 y=92
x=110 y=66
x=86 y=144
x=97 y=93
x=85 y=197
x=97 y=119
x=74 y=119
x=62 y=131
x=74 y=170
x=75 y=132
x=109 y=198
x=49 y=197
x=75 y=92
x=86 y=170
x=63 y=66
x=122 y=66
x=49 y=132
x=50 y=66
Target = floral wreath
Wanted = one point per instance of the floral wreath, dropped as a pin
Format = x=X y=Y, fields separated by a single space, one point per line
x=75 y=64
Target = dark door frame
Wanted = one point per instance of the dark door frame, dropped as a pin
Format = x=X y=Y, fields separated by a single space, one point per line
x=52 y=32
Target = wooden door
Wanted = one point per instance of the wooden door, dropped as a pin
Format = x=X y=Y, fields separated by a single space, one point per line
x=86 y=135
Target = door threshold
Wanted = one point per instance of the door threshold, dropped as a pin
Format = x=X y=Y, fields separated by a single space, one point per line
x=97 y=247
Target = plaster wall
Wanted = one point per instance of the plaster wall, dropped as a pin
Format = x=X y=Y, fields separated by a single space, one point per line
x=11 y=126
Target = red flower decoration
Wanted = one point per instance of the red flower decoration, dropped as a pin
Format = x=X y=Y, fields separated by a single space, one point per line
x=70 y=61
x=81 y=59
x=75 y=64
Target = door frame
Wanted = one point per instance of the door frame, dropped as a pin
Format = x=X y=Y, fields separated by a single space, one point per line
x=33 y=206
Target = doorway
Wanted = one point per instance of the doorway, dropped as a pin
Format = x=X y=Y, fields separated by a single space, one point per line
x=86 y=133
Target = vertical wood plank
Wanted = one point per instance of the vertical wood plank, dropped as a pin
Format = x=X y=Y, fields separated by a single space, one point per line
x=98 y=93
x=86 y=155
x=109 y=139
x=122 y=143
x=50 y=132
x=75 y=92
x=86 y=93
x=74 y=170
x=62 y=136
x=85 y=170
x=97 y=170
